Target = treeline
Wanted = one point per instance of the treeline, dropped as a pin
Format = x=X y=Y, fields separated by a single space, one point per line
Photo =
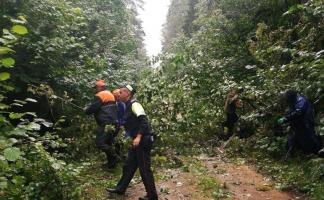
x=214 y=46
x=51 y=52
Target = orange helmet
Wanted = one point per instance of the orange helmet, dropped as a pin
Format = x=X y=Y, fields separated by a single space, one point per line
x=100 y=83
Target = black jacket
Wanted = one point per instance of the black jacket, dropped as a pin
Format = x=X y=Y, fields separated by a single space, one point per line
x=104 y=108
x=135 y=123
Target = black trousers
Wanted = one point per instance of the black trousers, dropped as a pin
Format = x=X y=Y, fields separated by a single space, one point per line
x=231 y=119
x=104 y=142
x=304 y=139
x=138 y=158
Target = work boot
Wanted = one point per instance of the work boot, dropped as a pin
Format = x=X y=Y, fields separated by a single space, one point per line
x=115 y=191
x=146 y=198
x=143 y=198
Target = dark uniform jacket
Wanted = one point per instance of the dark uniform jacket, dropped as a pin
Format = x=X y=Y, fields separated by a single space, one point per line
x=301 y=118
x=135 y=119
x=301 y=115
x=104 y=108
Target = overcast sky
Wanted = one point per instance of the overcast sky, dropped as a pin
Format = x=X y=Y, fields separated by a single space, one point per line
x=153 y=17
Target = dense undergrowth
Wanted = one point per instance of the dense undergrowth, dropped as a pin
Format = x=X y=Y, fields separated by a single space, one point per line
x=51 y=52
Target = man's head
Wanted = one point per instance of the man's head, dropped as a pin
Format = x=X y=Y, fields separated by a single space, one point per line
x=116 y=94
x=100 y=85
x=126 y=93
x=290 y=96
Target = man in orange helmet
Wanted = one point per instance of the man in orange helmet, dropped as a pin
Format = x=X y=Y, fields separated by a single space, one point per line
x=104 y=109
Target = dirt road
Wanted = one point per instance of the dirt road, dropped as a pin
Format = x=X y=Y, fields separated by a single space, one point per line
x=204 y=177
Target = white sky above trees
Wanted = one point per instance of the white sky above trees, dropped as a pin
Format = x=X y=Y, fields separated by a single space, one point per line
x=153 y=16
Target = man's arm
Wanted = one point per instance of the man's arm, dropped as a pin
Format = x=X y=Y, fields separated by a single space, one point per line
x=299 y=110
x=94 y=106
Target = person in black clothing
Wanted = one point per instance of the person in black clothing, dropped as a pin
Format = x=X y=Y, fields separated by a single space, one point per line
x=232 y=102
x=301 y=118
x=104 y=109
x=137 y=126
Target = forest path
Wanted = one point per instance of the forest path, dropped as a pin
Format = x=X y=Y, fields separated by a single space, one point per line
x=200 y=178
x=204 y=177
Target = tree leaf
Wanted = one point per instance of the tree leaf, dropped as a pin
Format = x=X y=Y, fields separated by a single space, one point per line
x=12 y=153
x=34 y=126
x=16 y=115
x=4 y=76
x=4 y=144
x=17 y=21
x=31 y=100
x=2 y=118
x=17 y=104
x=57 y=166
x=19 y=29
x=5 y=50
x=3 y=106
x=20 y=101
x=47 y=124
x=18 y=132
x=31 y=113
x=8 y=62
x=3 y=182
x=22 y=18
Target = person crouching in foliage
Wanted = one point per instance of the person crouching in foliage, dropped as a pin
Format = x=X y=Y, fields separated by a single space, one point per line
x=104 y=109
x=138 y=128
x=301 y=118
x=232 y=102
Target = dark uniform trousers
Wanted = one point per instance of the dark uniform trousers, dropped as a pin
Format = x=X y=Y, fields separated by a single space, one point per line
x=138 y=158
x=231 y=119
x=104 y=142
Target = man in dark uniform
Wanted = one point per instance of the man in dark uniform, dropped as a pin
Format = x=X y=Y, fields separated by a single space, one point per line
x=121 y=107
x=137 y=127
x=301 y=118
x=104 y=109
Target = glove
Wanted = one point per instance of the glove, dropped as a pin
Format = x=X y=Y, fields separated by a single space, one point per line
x=281 y=120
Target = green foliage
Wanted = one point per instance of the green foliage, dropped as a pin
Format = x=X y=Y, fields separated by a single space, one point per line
x=4 y=76
x=19 y=29
x=12 y=153
x=50 y=62
x=28 y=170
x=5 y=50
x=212 y=186
x=70 y=44
x=8 y=62
x=263 y=46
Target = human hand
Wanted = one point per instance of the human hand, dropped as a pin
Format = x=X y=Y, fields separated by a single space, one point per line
x=137 y=140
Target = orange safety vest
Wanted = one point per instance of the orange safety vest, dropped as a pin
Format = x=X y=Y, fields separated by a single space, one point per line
x=106 y=96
